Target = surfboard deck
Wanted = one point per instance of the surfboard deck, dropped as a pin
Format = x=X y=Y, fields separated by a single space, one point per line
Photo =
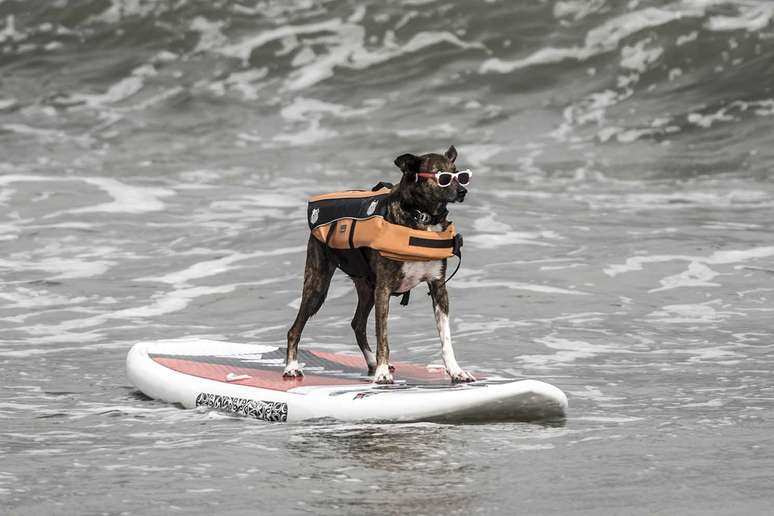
x=246 y=380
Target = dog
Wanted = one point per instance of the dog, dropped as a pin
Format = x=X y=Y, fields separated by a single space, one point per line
x=418 y=201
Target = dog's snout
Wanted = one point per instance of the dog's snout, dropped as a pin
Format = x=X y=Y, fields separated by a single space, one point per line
x=461 y=191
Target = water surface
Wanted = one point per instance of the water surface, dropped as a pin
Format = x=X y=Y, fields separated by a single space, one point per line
x=155 y=159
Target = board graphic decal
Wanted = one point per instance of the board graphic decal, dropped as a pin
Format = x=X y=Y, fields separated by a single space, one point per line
x=265 y=410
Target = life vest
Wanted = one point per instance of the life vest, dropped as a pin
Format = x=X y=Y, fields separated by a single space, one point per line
x=346 y=222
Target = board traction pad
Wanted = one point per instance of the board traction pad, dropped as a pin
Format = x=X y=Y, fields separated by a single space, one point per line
x=264 y=370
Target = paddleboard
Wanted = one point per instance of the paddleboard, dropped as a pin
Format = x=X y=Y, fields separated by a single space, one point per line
x=246 y=380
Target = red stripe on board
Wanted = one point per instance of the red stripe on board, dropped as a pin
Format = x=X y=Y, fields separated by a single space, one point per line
x=258 y=378
x=403 y=370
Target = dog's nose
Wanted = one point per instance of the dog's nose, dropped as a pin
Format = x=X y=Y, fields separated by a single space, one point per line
x=461 y=191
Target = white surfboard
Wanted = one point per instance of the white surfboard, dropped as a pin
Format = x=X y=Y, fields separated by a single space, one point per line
x=246 y=380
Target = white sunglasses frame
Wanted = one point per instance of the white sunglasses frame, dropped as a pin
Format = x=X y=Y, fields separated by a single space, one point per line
x=454 y=175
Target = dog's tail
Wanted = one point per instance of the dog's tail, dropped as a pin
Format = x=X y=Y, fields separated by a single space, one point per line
x=317 y=276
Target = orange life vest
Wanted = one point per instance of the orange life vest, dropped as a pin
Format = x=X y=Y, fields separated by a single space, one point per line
x=352 y=220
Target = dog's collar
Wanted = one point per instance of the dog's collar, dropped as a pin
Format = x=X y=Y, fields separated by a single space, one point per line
x=421 y=217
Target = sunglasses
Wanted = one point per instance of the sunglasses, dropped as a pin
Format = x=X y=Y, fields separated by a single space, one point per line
x=444 y=179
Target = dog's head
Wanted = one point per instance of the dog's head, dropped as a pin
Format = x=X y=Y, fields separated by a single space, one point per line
x=418 y=182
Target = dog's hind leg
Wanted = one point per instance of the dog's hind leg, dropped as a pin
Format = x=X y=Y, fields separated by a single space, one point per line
x=441 y=308
x=365 y=302
x=382 y=302
x=317 y=278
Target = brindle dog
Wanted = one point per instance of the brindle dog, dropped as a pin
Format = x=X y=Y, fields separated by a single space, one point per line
x=411 y=196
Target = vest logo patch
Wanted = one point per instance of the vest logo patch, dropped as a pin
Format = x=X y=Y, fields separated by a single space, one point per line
x=315 y=215
x=372 y=208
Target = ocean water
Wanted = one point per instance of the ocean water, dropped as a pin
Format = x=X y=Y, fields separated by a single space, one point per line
x=155 y=159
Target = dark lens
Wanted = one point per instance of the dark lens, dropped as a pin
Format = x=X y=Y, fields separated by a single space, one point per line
x=463 y=178
x=444 y=179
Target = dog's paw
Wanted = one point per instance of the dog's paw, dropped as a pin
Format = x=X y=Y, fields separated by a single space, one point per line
x=292 y=370
x=461 y=376
x=383 y=379
x=372 y=369
x=383 y=375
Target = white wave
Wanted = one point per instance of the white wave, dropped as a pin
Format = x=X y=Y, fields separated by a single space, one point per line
x=636 y=263
x=245 y=82
x=752 y=17
x=210 y=33
x=702 y=313
x=578 y=9
x=161 y=303
x=7 y=103
x=476 y=155
x=301 y=109
x=637 y=57
x=711 y=354
x=179 y=299
x=697 y=275
x=23 y=297
x=311 y=112
x=716 y=402
x=492 y=240
x=546 y=55
x=126 y=198
x=568 y=351
x=687 y=38
x=591 y=109
x=164 y=56
x=213 y=267
x=515 y=285
x=273 y=200
x=594 y=393
x=171 y=302
x=624 y=135
x=9 y=34
x=346 y=50
x=45 y=135
x=139 y=106
x=60 y=267
x=732 y=198
x=437 y=130
x=244 y=48
x=608 y=419
x=602 y=39
x=563 y=267
x=490 y=325
x=765 y=107
x=119 y=91
x=606 y=37
x=336 y=291
x=120 y=9
x=489 y=223
x=351 y=53
x=312 y=134
x=706 y=121
x=57 y=339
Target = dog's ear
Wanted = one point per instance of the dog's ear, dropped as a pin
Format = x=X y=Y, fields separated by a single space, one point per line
x=408 y=164
x=451 y=154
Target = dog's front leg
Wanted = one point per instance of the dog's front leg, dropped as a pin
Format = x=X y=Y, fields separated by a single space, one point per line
x=382 y=304
x=441 y=307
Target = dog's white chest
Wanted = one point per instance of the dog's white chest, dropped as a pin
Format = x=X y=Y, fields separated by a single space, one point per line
x=416 y=272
